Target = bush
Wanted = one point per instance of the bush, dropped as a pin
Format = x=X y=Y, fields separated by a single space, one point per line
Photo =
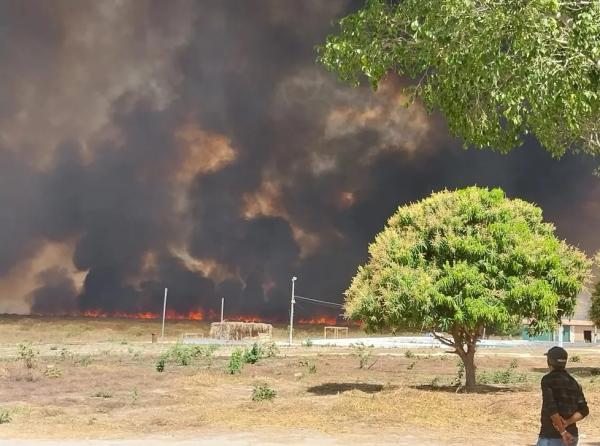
x=181 y=354
x=27 y=354
x=236 y=362
x=507 y=376
x=53 y=372
x=262 y=392
x=5 y=416
x=84 y=360
x=271 y=350
x=409 y=354
x=460 y=373
x=411 y=366
x=311 y=366
x=254 y=354
x=575 y=358
x=103 y=394
x=364 y=354
x=160 y=364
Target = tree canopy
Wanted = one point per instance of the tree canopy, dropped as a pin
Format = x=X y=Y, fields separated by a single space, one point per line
x=595 y=307
x=462 y=260
x=496 y=69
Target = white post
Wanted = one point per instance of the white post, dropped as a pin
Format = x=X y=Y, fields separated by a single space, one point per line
x=560 y=334
x=222 y=305
x=292 y=311
x=164 y=313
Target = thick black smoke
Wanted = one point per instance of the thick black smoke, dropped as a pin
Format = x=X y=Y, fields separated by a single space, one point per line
x=198 y=146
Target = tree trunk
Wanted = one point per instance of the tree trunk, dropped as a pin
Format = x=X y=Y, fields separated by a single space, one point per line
x=470 y=369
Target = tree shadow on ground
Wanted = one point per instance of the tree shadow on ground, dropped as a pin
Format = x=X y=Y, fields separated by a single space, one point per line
x=481 y=389
x=583 y=372
x=335 y=388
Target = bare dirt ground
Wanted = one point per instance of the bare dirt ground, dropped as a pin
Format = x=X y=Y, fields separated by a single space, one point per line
x=97 y=380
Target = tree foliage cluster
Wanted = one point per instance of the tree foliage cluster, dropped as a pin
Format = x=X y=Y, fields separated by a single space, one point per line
x=496 y=69
x=459 y=261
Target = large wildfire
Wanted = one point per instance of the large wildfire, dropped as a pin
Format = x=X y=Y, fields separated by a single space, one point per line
x=194 y=316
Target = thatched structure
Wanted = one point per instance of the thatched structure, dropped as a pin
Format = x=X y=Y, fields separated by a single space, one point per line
x=240 y=330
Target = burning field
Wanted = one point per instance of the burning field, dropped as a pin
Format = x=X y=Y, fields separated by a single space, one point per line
x=81 y=378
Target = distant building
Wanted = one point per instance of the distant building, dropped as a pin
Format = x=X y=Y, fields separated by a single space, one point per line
x=579 y=328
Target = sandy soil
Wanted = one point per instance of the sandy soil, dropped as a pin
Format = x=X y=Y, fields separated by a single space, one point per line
x=82 y=390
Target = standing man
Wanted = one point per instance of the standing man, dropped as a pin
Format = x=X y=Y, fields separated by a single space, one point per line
x=563 y=403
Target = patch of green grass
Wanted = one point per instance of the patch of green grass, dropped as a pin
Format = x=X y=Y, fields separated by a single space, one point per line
x=575 y=358
x=409 y=354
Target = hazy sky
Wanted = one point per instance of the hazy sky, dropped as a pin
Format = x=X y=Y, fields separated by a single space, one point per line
x=197 y=145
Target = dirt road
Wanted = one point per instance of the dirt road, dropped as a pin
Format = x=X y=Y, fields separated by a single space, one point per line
x=294 y=438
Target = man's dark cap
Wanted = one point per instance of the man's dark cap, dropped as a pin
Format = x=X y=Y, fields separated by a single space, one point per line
x=557 y=354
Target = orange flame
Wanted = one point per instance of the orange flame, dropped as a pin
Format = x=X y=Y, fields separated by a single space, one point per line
x=319 y=321
x=171 y=314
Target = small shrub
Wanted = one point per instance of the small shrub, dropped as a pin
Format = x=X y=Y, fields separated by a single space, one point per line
x=84 y=361
x=262 y=392
x=254 y=354
x=27 y=354
x=181 y=354
x=103 y=394
x=54 y=347
x=307 y=343
x=409 y=354
x=53 y=372
x=160 y=364
x=5 y=416
x=236 y=362
x=435 y=382
x=595 y=372
x=364 y=354
x=65 y=354
x=135 y=395
x=123 y=342
x=460 y=373
x=411 y=366
x=271 y=350
x=575 y=358
x=311 y=366
x=206 y=352
x=507 y=376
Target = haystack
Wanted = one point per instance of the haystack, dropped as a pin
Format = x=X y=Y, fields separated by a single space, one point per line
x=240 y=330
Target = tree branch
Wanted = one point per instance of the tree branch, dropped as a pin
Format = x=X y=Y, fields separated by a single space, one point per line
x=443 y=340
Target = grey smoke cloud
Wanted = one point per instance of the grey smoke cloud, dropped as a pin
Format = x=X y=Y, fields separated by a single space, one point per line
x=197 y=145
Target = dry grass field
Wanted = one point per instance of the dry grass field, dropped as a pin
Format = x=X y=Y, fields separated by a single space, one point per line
x=98 y=379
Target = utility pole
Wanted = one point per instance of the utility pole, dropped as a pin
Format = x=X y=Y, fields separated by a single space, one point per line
x=292 y=311
x=164 y=313
x=222 y=305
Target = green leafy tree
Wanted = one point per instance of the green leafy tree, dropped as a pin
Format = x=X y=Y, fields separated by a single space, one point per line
x=459 y=261
x=497 y=69
x=595 y=308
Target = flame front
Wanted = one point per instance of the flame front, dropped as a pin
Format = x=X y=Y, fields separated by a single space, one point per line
x=171 y=314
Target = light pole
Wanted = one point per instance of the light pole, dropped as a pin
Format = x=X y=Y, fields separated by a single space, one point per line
x=292 y=311
x=222 y=305
x=164 y=312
